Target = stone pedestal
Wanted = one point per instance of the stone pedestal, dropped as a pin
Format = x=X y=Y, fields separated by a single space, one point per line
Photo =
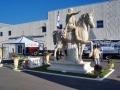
x=71 y=66
x=72 y=52
x=72 y=63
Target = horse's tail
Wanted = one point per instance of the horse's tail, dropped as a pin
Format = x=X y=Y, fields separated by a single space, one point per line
x=54 y=37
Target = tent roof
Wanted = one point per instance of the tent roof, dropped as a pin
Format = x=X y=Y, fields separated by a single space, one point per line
x=24 y=40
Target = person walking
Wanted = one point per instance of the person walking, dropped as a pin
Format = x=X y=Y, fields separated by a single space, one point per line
x=96 y=55
x=101 y=53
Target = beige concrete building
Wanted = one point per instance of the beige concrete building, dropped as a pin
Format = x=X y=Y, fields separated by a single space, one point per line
x=106 y=18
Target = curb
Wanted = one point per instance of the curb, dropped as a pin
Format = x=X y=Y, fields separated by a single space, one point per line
x=97 y=79
x=112 y=70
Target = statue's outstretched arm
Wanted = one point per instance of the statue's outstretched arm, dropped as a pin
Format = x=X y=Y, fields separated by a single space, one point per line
x=75 y=13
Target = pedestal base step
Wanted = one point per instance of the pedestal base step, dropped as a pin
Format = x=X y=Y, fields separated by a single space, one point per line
x=71 y=66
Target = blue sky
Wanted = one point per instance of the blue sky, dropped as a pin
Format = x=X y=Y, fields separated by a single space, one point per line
x=23 y=11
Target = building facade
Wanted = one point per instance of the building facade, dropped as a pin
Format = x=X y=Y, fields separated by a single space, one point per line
x=106 y=17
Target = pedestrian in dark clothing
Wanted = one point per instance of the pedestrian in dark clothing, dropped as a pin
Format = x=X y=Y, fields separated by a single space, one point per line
x=59 y=54
x=65 y=52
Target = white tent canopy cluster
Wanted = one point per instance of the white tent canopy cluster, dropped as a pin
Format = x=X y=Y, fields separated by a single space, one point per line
x=24 y=40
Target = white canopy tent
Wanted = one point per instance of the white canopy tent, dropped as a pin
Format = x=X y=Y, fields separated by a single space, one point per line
x=24 y=40
x=21 y=41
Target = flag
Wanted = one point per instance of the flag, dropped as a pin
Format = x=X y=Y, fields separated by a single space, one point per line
x=58 y=21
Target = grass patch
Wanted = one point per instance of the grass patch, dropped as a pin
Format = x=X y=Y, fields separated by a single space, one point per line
x=88 y=75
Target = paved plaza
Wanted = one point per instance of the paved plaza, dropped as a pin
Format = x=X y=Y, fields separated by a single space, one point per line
x=26 y=80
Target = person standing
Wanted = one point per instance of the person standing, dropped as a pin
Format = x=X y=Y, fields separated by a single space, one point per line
x=96 y=55
x=101 y=51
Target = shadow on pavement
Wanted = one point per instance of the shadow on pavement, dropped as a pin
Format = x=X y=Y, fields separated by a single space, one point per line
x=79 y=83
x=110 y=83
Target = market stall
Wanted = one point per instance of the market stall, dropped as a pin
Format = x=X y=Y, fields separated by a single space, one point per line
x=22 y=41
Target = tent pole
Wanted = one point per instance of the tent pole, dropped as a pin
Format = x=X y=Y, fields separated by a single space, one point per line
x=2 y=54
x=43 y=54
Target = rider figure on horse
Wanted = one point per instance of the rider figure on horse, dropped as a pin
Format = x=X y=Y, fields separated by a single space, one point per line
x=71 y=23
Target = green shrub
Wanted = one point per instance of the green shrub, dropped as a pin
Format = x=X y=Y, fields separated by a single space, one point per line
x=110 y=61
x=47 y=53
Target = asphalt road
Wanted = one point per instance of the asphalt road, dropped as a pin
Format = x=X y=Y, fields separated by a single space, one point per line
x=26 y=80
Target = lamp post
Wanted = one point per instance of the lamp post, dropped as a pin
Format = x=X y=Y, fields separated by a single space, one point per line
x=43 y=51
x=43 y=54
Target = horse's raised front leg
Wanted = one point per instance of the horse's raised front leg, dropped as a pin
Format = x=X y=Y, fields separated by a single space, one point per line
x=91 y=46
x=81 y=52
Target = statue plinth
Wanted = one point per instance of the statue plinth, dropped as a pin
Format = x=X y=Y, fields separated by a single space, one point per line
x=72 y=63
x=72 y=51
x=71 y=66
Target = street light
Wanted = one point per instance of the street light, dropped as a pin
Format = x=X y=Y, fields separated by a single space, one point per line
x=43 y=50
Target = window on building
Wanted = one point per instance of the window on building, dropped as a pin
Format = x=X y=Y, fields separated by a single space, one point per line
x=60 y=26
x=1 y=33
x=44 y=29
x=9 y=33
x=100 y=24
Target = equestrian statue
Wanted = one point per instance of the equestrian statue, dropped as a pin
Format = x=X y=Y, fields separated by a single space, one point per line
x=74 y=32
